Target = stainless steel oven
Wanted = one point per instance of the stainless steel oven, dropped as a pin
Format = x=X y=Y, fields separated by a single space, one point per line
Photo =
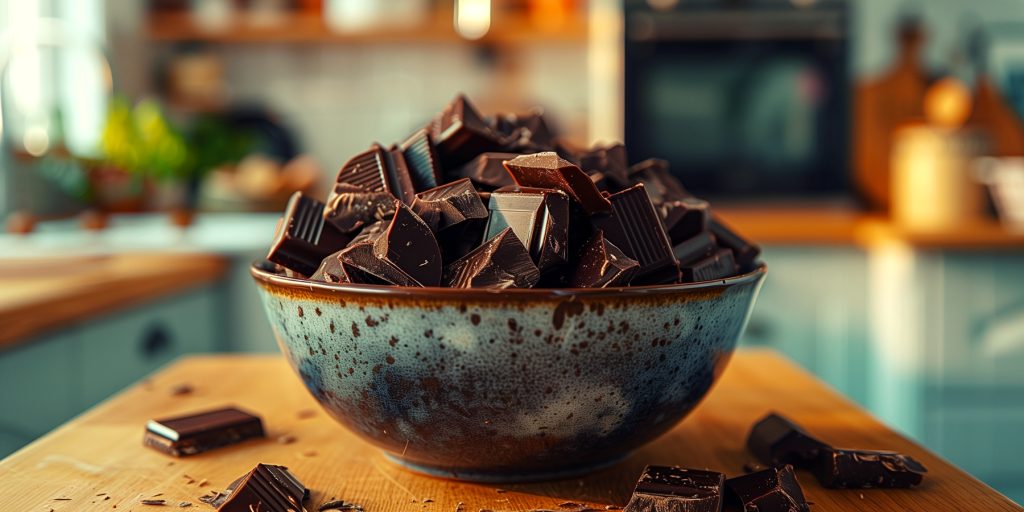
x=746 y=99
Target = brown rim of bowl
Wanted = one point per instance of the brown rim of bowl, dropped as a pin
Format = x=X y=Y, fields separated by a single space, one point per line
x=428 y=292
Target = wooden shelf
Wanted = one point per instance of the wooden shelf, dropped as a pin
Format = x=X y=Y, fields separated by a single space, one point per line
x=304 y=28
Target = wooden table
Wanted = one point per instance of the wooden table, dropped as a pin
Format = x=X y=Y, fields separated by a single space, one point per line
x=99 y=455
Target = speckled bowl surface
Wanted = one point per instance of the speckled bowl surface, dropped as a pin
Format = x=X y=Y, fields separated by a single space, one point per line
x=510 y=385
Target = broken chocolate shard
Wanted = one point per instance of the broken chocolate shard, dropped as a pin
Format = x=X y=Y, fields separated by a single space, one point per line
x=700 y=247
x=864 y=469
x=661 y=185
x=488 y=170
x=776 y=441
x=684 y=219
x=676 y=489
x=197 y=433
x=717 y=266
x=422 y=161
x=538 y=217
x=501 y=262
x=409 y=245
x=379 y=169
x=330 y=270
x=602 y=265
x=548 y=170
x=449 y=205
x=609 y=160
x=525 y=133
x=745 y=252
x=267 y=488
x=633 y=226
x=350 y=207
x=362 y=266
x=768 y=490
x=460 y=133
x=303 y=239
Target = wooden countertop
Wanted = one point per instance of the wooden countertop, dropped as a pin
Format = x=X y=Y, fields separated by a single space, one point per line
x=100 y=454
x=37 y=295
x=847 y=227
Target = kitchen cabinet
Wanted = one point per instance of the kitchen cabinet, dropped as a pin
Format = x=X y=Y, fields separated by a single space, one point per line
x=38 y=386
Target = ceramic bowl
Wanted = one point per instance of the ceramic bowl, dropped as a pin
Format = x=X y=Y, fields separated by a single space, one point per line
x=511 y=385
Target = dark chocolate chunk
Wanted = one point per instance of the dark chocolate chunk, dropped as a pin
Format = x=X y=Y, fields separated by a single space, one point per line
x=699 y=247
x=538 y=217
x=602 y=265
x=266 y=488
x=197 y=433
x=775 y=440
x=863 y=469
x=350 y=207
x=501 y=262
x=609 y=160
x=362 y=266
x=675 y=489
x=768 y=490
x=717 y=266
x=460 y=134
x=331 y=270
x=548 y=170
x=684 y=219
x=745 y=253
x=409 y=245
x=634 y=226
x=449 y=205
x=422 y=161
x=488 y=170
x=526 y=133
x=661 y=185
x=303 y=239
x=379 y=169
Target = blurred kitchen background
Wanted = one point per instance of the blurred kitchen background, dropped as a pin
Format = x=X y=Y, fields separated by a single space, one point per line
x=873 y=147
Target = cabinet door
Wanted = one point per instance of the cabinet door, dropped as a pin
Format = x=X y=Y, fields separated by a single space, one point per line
x=38 y=384
x=120 y=349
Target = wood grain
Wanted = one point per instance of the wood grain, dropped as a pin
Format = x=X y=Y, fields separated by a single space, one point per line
x=102 y=452
x=46 y=293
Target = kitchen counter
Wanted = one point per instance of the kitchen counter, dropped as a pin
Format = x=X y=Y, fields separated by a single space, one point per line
x=99 y=455
x=48 y=292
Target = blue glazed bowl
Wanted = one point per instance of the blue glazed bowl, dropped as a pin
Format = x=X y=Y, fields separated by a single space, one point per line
x=512 y=385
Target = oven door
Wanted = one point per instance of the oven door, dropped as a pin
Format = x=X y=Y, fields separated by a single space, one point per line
x=743 y=104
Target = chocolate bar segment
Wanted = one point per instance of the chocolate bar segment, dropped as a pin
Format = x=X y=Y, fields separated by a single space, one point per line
x=634 y=226
x=661 y=185
x=538 y=217
x=409 y=245
x=460 y=134
x=775 y=440
x=421 y=159
x=488 y=170
x=449 y=205
x=745 y=252
x=863 y=469
x=698 y=248
x=501 y=262
x=303 y=239
x=672 y=488
x=768 y=490
x=379 y=169
x=611 y=161
x=266 y=488
x=350 y=207
x=602 y=265
x=548 y=170
x=717 y=266
x=197 y=433
x=684 y=219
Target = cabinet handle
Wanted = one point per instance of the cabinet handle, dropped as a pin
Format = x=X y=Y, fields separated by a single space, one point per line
x=156 y=341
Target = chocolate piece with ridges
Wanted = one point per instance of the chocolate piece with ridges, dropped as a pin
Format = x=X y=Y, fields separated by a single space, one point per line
x=548 y=170
x=661 y=185
x=768 y=490
x=684 y=219
x=864 y=469
x=197 y=433
x=634 y=226
x=602 y=265
x=609 y=160
x=775 y=440
x=449 y=205
x=675 y=489
x=303 y=239
x=745 y=252
x=538 y=217
x=267 y=488
x=501 y=262
x=350 y=207
x=717 y=266
x=699 y=247
x=488 y=170
x=409 y=245
x=460 y=133
x=421 y=159
x=379 y=169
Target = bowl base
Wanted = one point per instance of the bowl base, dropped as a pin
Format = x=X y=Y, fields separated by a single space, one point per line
x=504 y=477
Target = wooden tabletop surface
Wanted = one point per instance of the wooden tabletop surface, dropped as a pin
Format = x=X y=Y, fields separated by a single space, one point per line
x=99 y=455
x=50 y=292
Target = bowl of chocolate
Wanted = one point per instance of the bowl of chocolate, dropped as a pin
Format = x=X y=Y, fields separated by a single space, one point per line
x=484 y=302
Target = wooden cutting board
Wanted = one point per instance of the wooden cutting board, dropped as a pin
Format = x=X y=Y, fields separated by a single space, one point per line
x=97 y=461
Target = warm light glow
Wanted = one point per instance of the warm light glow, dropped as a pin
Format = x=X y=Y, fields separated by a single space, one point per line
x=662 y=5
x=947 y=103
x=472 y=18
x=36 y=141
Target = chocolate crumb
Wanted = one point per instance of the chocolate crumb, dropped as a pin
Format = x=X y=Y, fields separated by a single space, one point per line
x=500 y=491
x=427 y=500
x=62 y=499
x=182 y=389
x=338 y=505
x=156 y=503
x=185 y=504
x=305 y=414
x=309 y=453
x=203 y=483
x=286 y=439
